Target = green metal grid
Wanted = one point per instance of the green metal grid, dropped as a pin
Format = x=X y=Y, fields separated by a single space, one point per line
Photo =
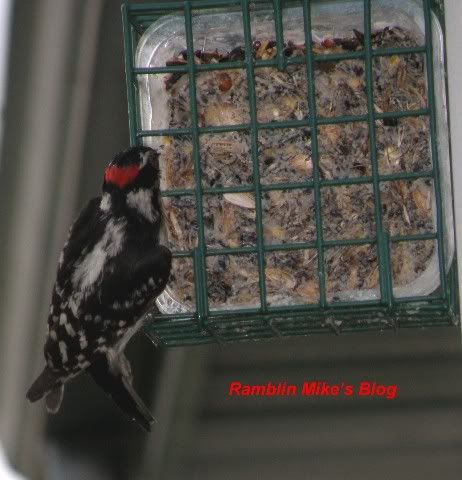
x=204 y=325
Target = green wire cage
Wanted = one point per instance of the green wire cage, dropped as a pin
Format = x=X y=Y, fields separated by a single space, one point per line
x=205 y=324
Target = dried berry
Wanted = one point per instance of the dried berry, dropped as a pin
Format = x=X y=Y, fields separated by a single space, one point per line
x=224 y=82
x=328 y=43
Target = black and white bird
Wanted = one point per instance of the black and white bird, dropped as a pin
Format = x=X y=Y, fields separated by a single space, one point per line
x=110 y=270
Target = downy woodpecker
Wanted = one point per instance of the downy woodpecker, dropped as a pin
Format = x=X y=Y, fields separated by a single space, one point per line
x=111 y=268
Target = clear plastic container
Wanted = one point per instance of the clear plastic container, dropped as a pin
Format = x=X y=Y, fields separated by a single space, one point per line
x=223 y=31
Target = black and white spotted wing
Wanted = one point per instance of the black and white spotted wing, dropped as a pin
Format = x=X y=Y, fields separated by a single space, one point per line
x=106 y=277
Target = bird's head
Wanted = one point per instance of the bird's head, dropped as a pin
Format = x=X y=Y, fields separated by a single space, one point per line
x=132 y=169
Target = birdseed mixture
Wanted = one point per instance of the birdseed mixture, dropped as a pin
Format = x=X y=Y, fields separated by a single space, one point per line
x=285 y=156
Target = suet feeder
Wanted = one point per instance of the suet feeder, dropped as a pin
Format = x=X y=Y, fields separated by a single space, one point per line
x=396 y=267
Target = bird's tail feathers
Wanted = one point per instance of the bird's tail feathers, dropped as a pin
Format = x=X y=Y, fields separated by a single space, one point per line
x=54 y=399
x=118 y=386
x=49 y=385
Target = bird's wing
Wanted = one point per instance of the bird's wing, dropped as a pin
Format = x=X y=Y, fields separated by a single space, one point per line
x=83 y=235
x=139 y=272
x=63 y=342
x=84 y=324
x=138 y=276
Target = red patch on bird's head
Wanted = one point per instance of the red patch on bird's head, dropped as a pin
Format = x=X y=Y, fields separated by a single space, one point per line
x=121 y=176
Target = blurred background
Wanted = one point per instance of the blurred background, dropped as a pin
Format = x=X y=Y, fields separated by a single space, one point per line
x=64 y=115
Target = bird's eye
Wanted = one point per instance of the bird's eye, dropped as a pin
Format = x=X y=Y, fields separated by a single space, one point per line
x=145 y=158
